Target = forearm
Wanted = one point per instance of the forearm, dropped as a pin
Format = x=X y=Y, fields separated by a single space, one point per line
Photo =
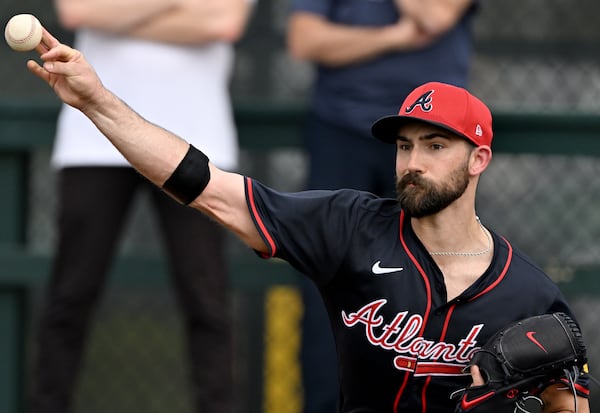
x=558 y=398
x=197 y=22
x=156 y=153
x=172 y=21
x=151 y=150
x=311 y=37
x=435 y=17
x=112 y=16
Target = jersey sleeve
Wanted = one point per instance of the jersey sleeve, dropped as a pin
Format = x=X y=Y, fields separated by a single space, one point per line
x=311 y=230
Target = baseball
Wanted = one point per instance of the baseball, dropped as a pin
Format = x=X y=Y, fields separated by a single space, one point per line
x=23 y=32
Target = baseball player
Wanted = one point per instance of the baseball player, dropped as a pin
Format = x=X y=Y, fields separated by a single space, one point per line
x=413 y=286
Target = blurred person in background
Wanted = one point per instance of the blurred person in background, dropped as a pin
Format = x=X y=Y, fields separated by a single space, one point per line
x=368 y=55
x=185 y=50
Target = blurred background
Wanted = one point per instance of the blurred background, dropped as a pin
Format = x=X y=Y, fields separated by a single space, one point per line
x=537 y=64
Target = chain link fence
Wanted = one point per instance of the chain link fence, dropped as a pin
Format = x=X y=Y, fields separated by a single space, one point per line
x=532 y=56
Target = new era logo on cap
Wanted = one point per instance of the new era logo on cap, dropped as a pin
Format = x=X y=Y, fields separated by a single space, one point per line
x=447 y=106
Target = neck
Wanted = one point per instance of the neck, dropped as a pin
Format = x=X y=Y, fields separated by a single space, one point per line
x=456 y=235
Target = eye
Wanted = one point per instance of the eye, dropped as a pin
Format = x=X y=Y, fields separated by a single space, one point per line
x=437 y=146
x=404 y=147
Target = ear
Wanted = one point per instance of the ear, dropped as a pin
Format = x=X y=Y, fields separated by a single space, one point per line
x=479 y=159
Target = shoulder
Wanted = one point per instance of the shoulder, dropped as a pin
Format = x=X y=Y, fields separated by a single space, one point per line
x=525 y=271
x=524 y=263
x=348 y=199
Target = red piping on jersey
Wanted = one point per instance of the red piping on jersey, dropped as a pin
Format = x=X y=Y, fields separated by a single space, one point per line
x=421 y=271
x=400 y=391
x=258 y=219
x=447 y=322
x=442 y=338
x=502 y=274
x=427 y=309
x=424 y=395
x=578 y=387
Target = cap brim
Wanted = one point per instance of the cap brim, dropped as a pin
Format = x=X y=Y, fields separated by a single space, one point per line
x=386 y=129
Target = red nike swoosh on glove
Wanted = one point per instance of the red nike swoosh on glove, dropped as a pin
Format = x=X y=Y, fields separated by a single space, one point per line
x=537 y=343
x=469 y=404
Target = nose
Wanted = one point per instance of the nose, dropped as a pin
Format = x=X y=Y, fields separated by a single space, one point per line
x=412 y=161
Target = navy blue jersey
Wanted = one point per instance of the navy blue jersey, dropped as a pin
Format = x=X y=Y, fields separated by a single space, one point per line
x=401 y=345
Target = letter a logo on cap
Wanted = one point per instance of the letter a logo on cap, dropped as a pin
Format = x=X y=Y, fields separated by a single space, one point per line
x=454 y=109
x=424 y=101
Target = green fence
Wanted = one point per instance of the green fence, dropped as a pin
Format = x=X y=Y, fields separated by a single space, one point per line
x=543 y=194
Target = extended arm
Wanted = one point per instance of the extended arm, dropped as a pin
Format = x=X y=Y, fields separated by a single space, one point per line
x=173 y=21
x=314 y=38
x=153 y=151
x=434 y=17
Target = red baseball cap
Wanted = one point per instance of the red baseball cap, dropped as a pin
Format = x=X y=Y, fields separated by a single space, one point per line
x=449 y=107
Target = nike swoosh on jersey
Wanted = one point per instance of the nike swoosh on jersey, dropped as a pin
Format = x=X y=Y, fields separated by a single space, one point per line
x=378 y=270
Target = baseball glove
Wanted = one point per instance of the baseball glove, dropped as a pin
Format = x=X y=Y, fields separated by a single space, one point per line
x=518 y=362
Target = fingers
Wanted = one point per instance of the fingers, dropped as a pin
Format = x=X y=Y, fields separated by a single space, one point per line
x=48 y=40
x=46 y=44
x=37 y=70
x=50 y=48
x=61 y=68
x=59 y=53
x=56 y=61
x=476 y=376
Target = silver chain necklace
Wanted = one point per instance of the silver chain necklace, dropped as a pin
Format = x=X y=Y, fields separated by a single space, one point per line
x=469 y=254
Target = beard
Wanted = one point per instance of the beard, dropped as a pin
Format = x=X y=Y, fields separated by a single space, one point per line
x=420 y=197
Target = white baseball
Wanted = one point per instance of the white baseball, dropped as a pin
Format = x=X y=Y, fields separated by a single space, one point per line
x=23 y=32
